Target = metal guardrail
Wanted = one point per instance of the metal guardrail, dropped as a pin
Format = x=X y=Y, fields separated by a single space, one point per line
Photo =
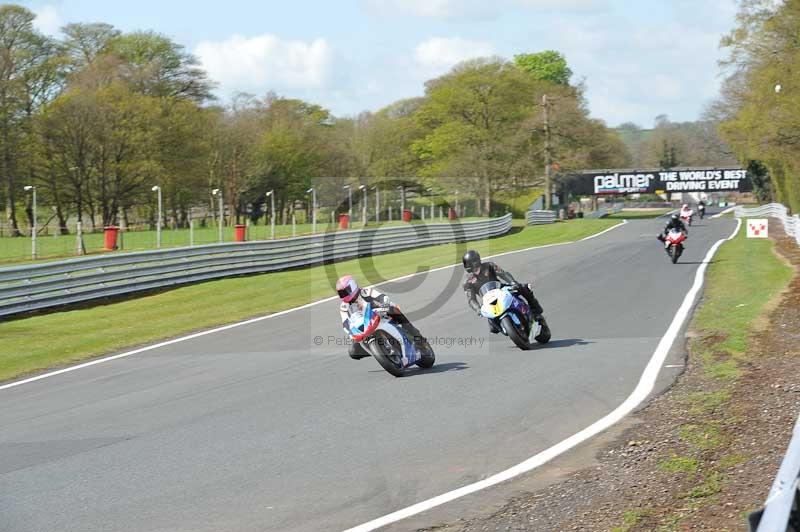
x=33 y=287
x=782 y=509
x=539 y=217
x=791 y=224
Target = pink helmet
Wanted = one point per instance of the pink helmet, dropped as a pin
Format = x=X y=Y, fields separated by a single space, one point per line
x=347 y=288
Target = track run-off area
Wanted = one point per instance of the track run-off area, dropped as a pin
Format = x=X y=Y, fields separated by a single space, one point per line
x=270 y=426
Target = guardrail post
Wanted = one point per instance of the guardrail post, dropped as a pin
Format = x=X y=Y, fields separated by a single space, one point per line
x=191 y=233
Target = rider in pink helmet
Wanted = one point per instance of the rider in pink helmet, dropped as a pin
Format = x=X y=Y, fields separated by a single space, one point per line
x=354 y=299
x=347 y=288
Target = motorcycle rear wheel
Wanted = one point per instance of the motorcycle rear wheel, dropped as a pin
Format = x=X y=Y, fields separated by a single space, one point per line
x=427 y=356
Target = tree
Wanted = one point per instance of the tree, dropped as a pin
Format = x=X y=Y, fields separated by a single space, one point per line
x=84 y=42
x=761 y=123
x=545 y=66
x=157 y=66
x=24 y=56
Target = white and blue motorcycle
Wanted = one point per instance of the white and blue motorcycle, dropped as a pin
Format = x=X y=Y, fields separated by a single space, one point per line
x=388 y=343
x=511 y=314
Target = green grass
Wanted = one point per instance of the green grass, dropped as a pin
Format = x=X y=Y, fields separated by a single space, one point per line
x=18 y=249
x=679 y=464
x=50 y=340
x=744 y=276
x=706 y=402
x=702 y=437
x=630 y=518
x=637 y=214
x=709 y=487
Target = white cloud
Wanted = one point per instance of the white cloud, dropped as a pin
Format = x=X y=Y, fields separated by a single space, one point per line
x=48 y=20
x=562 y=5
x=439 y=53
x=441 y=9
x=474 y=9
x=265 y=62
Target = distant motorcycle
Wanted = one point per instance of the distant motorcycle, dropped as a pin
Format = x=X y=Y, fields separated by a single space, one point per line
x=388 y=343
x=686 y=216
x=701 y=210
x=674 y=242
x=512 y=315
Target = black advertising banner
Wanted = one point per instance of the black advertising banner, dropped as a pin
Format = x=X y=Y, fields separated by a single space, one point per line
x=708 y=180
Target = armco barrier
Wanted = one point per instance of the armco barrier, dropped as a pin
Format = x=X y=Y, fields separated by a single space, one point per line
x=538 y=217
x=791 y=224
x=26 y=288
x=782 y=508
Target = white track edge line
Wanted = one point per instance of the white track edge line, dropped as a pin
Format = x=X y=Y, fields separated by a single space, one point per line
x=261 y=318
x=643 y=388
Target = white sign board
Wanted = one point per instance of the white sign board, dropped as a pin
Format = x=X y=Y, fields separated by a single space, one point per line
x=758 y=228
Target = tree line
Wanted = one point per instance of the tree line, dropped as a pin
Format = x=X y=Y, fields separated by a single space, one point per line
x=96 y=117
x=759 y=105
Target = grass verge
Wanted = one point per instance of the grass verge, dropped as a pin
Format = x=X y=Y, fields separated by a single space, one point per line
x=45 y=341
x=637 y=214
x=742 y=283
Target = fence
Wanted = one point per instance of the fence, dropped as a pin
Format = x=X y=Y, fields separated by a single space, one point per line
x=539 y=217
x=26 y=288
x=791 y=224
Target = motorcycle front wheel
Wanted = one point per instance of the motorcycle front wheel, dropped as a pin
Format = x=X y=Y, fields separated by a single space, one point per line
x=675 y=252
x=513 y=331
x=388 y=353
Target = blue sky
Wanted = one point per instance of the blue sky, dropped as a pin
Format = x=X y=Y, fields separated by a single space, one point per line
x=639 y=59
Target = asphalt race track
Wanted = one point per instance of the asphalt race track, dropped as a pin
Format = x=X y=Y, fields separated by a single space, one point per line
x=259 y=428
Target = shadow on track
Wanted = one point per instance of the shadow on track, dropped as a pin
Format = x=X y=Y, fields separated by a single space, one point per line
x=565 y=342
x=437 y=368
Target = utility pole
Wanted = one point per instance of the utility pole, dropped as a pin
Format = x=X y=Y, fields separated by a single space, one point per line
x=548 y=159
x=271 y=195
x=157 y=189
x=377 y=205
x=34 y=229
x=364 y=207
x=218 y=192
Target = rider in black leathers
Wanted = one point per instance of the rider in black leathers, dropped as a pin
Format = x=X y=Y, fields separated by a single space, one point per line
x=674 y=222
x=480 y=273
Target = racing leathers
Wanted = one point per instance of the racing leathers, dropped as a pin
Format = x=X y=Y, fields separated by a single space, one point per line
x=674 y=223
x=378 y=300
x=489 y=271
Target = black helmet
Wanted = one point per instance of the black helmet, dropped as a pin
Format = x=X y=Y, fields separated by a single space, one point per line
x=471 y=260
x=674 y=217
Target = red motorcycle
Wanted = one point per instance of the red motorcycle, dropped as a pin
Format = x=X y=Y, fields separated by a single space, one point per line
x=674 y=242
